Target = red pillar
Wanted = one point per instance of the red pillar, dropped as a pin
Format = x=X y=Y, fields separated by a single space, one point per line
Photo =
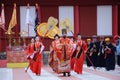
x=114 y=20
x=76 y=20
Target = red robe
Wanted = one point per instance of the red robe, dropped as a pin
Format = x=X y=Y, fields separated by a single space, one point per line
x=30 y=51
x=54 y=54
x=37 y=63
x=63 y=55
x=79 y=61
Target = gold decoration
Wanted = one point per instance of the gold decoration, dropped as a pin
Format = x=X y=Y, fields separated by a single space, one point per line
x=48 y=29
x=53 y=32
x=22 y=33
x=51 y=23
x=66 y=24
x=14 y=41
x=9 y=34
x=41 y=29
x=13 y=20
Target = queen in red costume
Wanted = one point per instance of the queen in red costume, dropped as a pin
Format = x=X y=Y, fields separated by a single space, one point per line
x=54 y=53
x=81 y=50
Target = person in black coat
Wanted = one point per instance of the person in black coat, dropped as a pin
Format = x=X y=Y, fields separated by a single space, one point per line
x=109 y=49
x=94 y=49
x=88 y=52
x=101 y=60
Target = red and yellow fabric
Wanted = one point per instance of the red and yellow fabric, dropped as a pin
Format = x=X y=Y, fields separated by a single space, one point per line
x=54 y=55
x=64 y=55
x=65 y=42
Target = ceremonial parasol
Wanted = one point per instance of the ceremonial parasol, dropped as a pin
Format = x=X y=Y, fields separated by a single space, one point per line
x=66 y=24
x=48 y=29
x=53 y=32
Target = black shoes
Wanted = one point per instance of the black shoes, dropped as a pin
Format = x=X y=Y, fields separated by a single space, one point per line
x=64 y=74
x=69 y=74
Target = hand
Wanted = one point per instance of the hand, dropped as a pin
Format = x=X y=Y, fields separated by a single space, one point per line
x=35 y=51
x=98 y=53
x=107 y=48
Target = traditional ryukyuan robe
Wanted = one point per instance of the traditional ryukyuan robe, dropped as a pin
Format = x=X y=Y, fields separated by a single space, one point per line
x=72 y=56
x=35 y=57
x=81 y=49
x=30 y=52
x=63 y=52
x=53 y=57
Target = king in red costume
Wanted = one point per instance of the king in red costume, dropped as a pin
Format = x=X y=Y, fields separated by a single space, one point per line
x=81 y=50
x=66 y=50
x=62 y=51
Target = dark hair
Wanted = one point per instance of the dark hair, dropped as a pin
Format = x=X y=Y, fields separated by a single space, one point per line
x=64 y=31
x=56 y=36
x=78 y=34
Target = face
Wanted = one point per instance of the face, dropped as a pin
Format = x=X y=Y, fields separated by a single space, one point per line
x=32 y=40
x=64 y=35
x=79 y=37
x=94 y=39
x=56 y=38
x=101 y=38
x=108 y=42
x=88 y=42
x=72 y=39
x=37 y=38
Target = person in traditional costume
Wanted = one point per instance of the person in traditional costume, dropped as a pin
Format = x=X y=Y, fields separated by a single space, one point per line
x=54 y=53
x=30 y=52
x=116 y=40
x=94 y=49
x=88 y=52
x=109 y=54
x=101 y=60
x=64 y=54
x=81 y=50
x=36 y=49
x=72 y=58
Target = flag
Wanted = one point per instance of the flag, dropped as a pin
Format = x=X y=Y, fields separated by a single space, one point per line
x=28 y=18
x=13 y=20
x=2 y=19
x=37 y=19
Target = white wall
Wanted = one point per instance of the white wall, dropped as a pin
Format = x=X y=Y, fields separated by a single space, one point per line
x=104 y=20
